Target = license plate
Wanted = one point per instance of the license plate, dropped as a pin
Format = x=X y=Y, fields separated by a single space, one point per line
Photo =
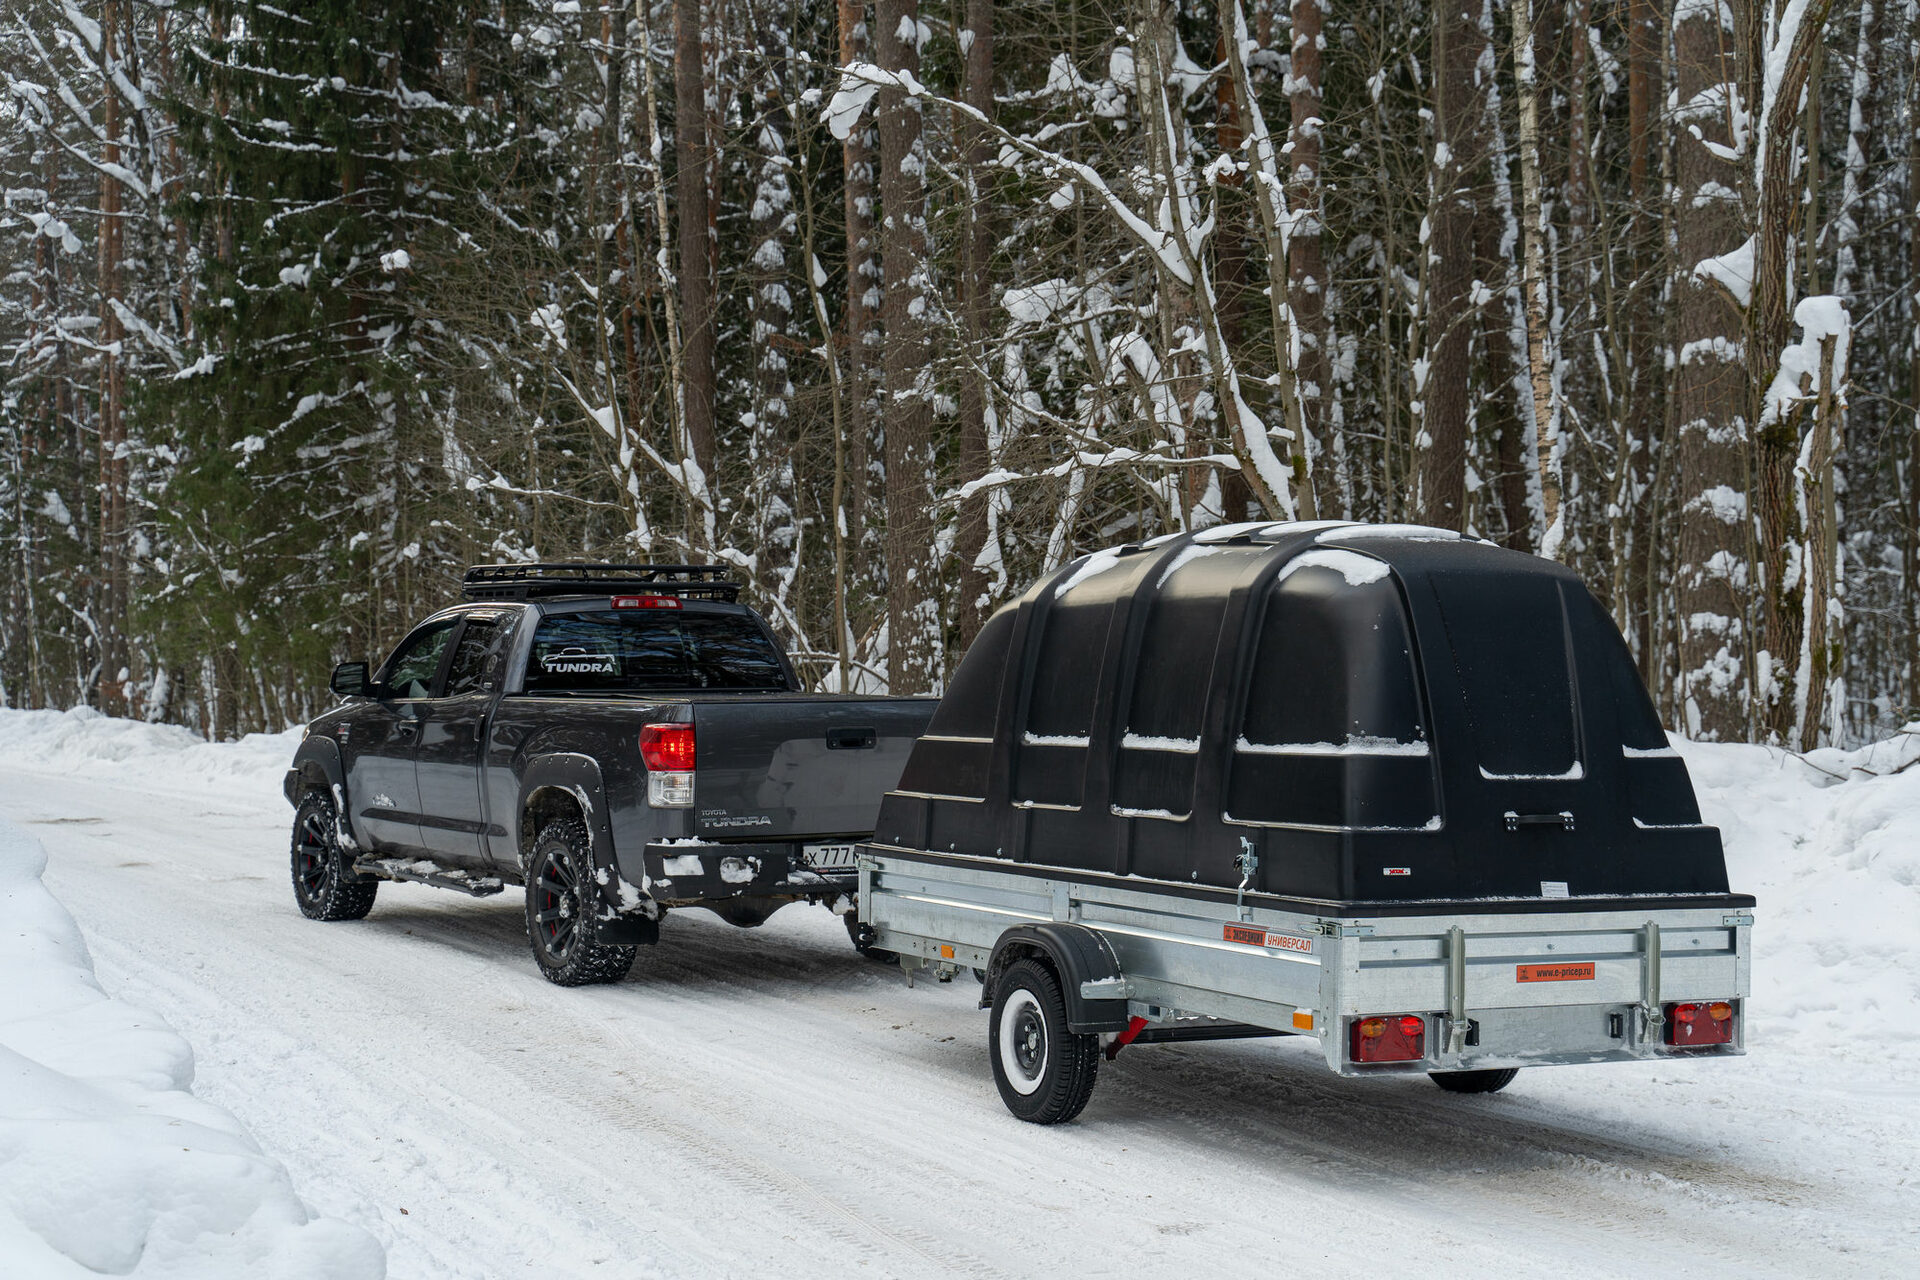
x=829 y=857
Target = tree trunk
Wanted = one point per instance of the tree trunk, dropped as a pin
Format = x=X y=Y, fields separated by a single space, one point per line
x=1534 y=284
x=1708 y=390
x=691 y=155
x=111 y=597
x=863 y=274
x=913 y=603
x=1453 y=204
x=976 y=307
x=1821 y=657
x=1777 y=438
x=769 y=302
x=1306 y=265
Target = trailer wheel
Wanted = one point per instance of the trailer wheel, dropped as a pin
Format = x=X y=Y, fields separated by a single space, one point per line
x=1489 y=1081
x=1045 y=1072
x=324 y=886
x=561 y=923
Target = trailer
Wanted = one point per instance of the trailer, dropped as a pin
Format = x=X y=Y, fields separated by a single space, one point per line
x=1392 y=789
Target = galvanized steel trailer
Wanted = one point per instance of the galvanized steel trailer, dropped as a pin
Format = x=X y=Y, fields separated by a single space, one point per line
x=1494 y=985
x=1394 y=789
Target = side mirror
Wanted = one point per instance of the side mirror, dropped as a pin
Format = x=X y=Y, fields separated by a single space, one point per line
x=350 y=680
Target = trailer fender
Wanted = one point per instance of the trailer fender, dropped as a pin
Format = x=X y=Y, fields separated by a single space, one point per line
x=1076 y=954
x=626 y=914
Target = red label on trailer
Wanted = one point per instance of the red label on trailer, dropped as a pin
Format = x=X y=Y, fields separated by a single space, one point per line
x=1553 y=973
x=1248 y=936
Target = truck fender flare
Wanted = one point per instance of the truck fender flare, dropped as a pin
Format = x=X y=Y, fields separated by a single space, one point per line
x=576 y=778
x=317 y=767
x=1076 y=954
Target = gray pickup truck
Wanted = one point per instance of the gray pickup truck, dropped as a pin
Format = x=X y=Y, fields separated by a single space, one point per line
x=616 y=739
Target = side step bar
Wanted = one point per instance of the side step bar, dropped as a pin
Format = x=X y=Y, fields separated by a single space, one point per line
x=420 y=871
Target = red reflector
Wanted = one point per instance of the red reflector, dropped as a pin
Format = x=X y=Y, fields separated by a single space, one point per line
x=646 y=602
x=1691 y=1025
x=667 y=748
x=1399 y=1038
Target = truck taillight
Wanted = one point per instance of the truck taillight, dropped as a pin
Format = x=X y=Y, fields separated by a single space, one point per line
x=667 y=750
x=646 y=602
x=1397 y=1037
x=1707 y=1022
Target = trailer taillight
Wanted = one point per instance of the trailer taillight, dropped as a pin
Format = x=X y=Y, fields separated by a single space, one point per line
x=646 y=602
x=1708 y=1022
x=1398 y=1037
x=668 y=752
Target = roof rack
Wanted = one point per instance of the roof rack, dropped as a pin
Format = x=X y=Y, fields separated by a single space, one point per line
x=537 y=581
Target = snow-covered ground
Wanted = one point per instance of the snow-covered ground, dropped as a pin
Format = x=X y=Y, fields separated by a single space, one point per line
x=764 y=1101
x=108 y=1165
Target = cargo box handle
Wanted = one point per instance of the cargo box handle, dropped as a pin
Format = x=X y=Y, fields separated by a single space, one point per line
x=1562 y=820
x=852 y=739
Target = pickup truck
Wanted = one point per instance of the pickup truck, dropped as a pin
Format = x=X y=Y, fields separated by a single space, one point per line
x=618 y=740
x=1391 y=790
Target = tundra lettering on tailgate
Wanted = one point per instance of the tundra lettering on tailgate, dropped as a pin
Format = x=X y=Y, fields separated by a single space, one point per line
x=721 y=818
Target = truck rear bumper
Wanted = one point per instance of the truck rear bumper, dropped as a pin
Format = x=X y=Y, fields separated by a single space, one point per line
x=696 y=870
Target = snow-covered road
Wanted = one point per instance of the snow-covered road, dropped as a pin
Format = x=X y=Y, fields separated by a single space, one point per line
x=766 y=1102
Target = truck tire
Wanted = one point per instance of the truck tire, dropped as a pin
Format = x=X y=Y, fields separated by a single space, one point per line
x=324 y=885
x=562 y=924
x=1045 y=1072
x=1492 y=1080
x=861 y=936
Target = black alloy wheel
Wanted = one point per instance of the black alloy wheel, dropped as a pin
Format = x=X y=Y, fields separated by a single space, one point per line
x=561 y=902
x=324 y=886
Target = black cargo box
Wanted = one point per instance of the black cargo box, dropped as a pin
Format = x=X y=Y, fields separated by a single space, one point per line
x=1377 y=714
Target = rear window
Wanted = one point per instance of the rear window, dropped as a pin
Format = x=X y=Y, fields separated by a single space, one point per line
x=651 y=650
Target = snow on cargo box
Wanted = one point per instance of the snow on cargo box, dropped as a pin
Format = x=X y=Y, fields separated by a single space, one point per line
x=1362 y=713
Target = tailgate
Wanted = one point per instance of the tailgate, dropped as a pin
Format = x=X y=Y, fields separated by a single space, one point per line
x=799 y=766
x=1551 y=987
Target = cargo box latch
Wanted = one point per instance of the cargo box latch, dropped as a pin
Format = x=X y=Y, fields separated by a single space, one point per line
x=1563 y=820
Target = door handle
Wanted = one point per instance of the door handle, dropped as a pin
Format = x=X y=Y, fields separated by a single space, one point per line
x=852 y=739
x=406 y=728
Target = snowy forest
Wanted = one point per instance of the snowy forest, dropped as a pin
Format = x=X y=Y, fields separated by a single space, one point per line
x=894 y=307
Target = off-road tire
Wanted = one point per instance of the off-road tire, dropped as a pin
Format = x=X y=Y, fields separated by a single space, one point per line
x=563 y=924
x=861 y=935
x=1492 y=1080
x=324 y=883
x=1045 y=1072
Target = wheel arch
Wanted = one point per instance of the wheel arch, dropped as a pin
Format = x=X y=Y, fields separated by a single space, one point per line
x=1075 y=954
x=316 y=767
x=569 y=785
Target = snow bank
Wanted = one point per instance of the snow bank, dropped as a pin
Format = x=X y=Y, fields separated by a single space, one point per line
x=1830 y=845
x=107 y=1163
x=83 y=741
